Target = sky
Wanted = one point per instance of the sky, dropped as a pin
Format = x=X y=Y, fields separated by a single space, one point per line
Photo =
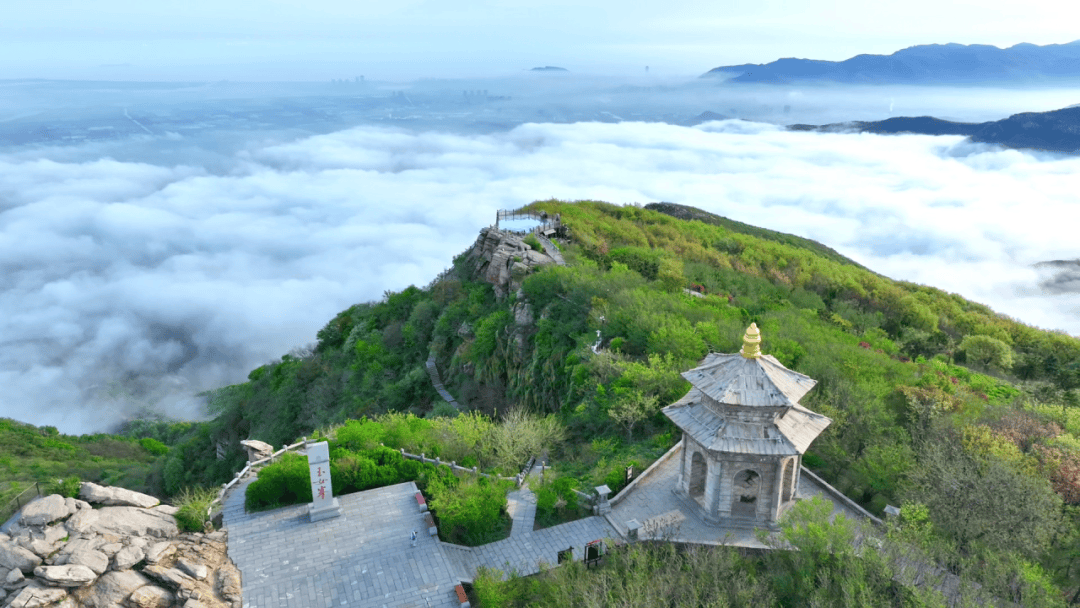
x=135 y=273
x=124 y=283
x=406 y=39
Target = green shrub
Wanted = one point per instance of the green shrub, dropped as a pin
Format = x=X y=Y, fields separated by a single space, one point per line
x=284 y=482
x=153 y=446
x=533 y=242
x=193 y=504
x=69 y=486
x=565 y=487
x=360 y=435
x=470 y=510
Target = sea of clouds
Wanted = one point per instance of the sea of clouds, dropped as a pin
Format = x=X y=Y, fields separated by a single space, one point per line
x=127 y=283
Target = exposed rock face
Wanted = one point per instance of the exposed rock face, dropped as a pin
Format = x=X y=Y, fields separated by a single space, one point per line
x=118 y=497
x=123 y=521
x=114 y=556
x=257 y=450
x=523 y=322
x=503 y=259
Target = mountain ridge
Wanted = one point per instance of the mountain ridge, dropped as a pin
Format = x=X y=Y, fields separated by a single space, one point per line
x=949 y=63
x=1053 y=131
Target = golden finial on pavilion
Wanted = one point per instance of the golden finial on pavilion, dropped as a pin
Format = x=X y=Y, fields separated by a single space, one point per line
x=751 y=342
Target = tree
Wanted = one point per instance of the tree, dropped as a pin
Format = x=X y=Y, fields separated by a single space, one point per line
x=631 y=408
x=981 y=501
x=521 y=435
x=987 y=351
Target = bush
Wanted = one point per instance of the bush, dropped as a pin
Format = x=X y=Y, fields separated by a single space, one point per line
x=193 y=504
x=533 y=242
x=153 y=446
x=68 y=486
x=470 y=511
x=284 y=482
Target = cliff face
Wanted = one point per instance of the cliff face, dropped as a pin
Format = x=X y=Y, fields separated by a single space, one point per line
x=503 y=259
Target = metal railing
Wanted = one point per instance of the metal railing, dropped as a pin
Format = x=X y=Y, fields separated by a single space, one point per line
x=248 y=468
x=21 y=500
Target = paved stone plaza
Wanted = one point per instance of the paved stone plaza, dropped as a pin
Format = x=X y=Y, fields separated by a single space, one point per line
x=361 y=559
x=364 y=558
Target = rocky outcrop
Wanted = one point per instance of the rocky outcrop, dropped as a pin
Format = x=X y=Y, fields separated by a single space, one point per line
x=117 y=497
x=503 y=259
x=123 y=521
x=62 y=553
x=47 y=510
x=257 y=450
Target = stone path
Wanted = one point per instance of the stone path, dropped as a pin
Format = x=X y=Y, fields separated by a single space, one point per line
x=524 y=554
x=521 y=505
x=550 y=249
x=433 y=373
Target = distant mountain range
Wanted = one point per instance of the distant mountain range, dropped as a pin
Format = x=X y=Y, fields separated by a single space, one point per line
x=1056 y=131
x=924 y=64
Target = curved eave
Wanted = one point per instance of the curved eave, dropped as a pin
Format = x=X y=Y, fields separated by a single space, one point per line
x=762 y=381
x=789 y=436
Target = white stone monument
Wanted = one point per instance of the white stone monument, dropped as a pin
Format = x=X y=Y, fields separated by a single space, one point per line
x=323 y=503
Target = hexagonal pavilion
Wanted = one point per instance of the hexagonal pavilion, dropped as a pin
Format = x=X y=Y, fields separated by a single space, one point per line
x=744 y=435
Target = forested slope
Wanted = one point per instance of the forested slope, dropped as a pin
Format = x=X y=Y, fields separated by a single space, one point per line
x=965 y=418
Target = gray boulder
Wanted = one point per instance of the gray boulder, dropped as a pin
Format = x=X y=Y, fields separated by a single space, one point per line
x=45 y=511
x=150 y=596
x=257 y=450
x=15 y=557
x=119 y=497
x=159 y=551
x=172 y=577
x=192 y=569
x=13 y=578
x=37 y=596
x=113 y=588
x=65 y=576
x=166 y=509
x=91 y=558
x=128 y=557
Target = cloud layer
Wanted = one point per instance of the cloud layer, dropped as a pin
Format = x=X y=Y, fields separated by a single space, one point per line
x=127 y=284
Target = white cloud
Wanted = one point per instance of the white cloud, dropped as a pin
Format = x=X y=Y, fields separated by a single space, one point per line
x=127 y=282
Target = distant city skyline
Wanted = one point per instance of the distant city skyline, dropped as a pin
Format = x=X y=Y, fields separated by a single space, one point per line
x=333 y=39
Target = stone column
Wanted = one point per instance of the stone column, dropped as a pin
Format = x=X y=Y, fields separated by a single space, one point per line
x=323 y=503
x=680 y=483
x=778 y=491
x=712 y=489
x=797 y=473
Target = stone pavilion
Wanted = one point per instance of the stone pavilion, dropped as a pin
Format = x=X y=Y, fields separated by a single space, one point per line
x=744 y=436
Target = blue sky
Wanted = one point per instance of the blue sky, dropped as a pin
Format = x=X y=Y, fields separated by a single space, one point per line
x=404 y=39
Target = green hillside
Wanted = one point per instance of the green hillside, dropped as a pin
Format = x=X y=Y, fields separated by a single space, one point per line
x=964 y=417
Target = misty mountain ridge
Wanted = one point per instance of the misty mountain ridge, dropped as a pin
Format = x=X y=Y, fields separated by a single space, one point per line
x=1055 y=131
x=924 y=64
